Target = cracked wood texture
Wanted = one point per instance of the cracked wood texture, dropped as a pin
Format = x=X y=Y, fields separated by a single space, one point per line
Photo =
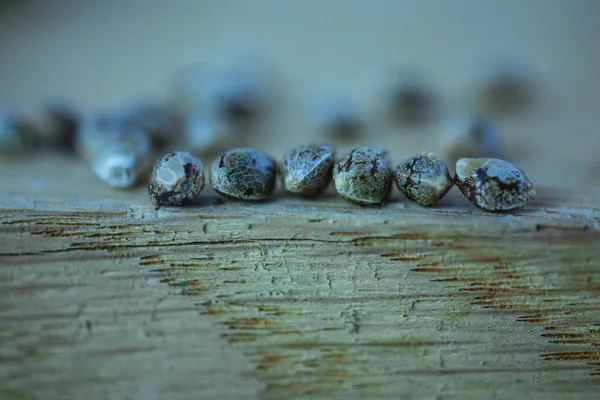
x=104 y=296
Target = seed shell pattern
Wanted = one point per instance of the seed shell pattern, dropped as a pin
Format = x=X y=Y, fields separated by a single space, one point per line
x=307 y=170
x=363 y=176
x=244 y=174
x=177 y=178
x=424 y=179
x=493 y=184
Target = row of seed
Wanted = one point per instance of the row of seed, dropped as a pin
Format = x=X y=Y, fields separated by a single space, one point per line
x=363 y=176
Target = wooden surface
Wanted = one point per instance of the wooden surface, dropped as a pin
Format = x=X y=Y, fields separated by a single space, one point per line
x=102 y=296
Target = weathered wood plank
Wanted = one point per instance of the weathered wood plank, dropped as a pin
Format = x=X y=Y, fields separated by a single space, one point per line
x=102 y=296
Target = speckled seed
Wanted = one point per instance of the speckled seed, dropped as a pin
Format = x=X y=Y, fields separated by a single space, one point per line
x=306 y=170
x=493 y=184
x=471 y=137
x=177 y=178
x=424 y=179
x=244 y=174
x=363 y=176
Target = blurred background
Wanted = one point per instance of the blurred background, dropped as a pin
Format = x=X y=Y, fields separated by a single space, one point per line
x=531 y=68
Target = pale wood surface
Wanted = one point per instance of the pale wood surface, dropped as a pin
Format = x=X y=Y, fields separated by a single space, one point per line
x=102 y=296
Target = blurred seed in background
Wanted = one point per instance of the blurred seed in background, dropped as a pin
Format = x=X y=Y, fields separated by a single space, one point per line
x=334 y=118
x=470 y=137
x=16 y=133
x=410 y=100
x=508 y=91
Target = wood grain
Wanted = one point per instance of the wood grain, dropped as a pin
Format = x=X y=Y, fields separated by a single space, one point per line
x=102 y=296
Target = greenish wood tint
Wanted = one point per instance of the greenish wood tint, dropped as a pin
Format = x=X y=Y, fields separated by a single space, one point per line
x=102 y=296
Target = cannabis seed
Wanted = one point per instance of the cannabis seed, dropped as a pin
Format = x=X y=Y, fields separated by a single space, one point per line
x=493 y=184
x=121 y=161
x=424 y=179
x=177 y=178
x=363 y=176
x=306 y=170
x=244 y=174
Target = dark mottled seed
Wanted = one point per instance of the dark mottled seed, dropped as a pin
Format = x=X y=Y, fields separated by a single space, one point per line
x=424 y=179
x=306 y=170
x=470 y=138
x=493 y=184
x=363 y=176
x=244 y=174
x=177 y=178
